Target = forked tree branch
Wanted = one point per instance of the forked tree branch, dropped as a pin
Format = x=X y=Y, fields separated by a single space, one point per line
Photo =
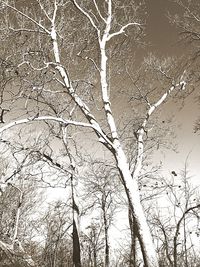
x=98 y=11
x=122 y=30
x=66 y=81
x=85 y=13
x=142 y=129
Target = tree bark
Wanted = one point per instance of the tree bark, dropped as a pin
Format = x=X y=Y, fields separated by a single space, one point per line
x=141 y=226
x=133 y=256
x=76 y=247
x=107 y=249
x=75 y=234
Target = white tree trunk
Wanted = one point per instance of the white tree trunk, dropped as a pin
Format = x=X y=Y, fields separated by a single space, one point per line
x=143 y=231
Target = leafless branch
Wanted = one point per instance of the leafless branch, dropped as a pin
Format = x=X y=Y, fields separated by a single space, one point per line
x=110 y=36
x=27 y=17
x=85 y=13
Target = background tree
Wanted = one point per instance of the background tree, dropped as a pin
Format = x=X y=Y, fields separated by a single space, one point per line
x=174 y=231
x=102 y=194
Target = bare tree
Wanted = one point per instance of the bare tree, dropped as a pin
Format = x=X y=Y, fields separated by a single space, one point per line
x=93 y=244
x=56 y=225
x=101 y=192
x=38 y=73
x=175 y=231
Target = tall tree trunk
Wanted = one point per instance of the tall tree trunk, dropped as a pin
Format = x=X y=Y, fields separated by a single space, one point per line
x=75 y=234
x=75 y=211
x=141 y=226
x=95 y=257
x=76 y=247
x=133 y=256
x=107 y=249
x=107 y=260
